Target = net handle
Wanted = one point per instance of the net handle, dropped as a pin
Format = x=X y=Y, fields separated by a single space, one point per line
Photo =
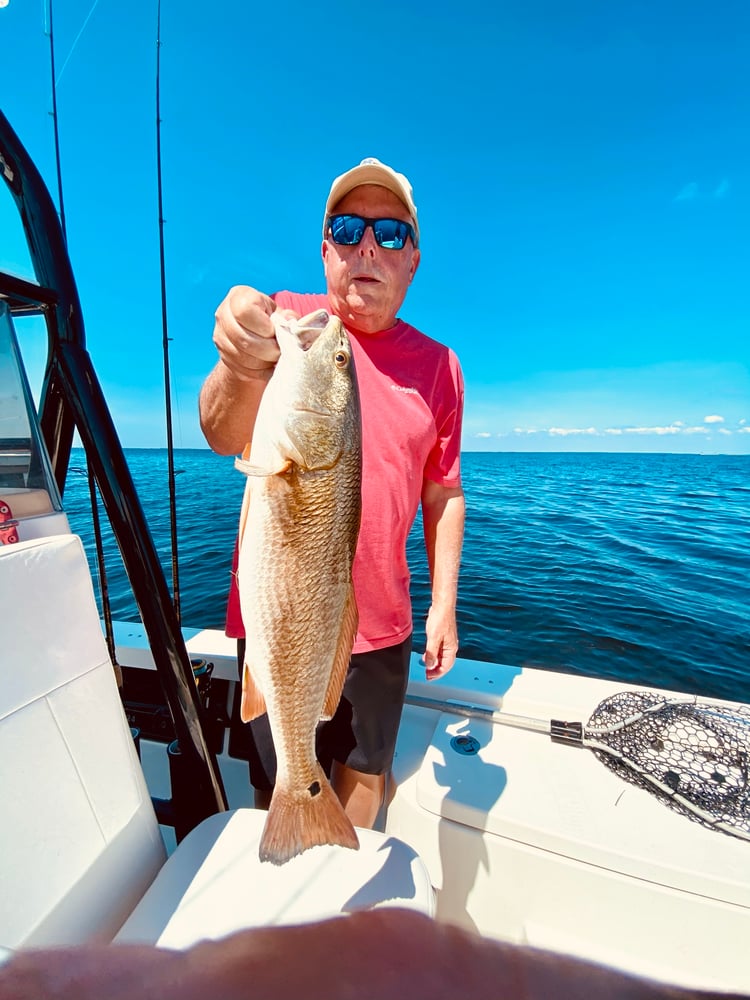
x=576 y=734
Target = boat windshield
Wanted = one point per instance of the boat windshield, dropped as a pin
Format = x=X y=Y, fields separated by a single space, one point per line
x=26 y=480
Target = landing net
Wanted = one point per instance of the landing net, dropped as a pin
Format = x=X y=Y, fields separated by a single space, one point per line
x=692 y=755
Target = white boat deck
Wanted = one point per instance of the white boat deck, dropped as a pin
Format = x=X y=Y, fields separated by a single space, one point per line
x=536 y=842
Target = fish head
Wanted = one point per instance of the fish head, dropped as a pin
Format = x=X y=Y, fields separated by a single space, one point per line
x=315 y=390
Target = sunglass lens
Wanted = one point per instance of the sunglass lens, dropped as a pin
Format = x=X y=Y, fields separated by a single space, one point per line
x=347 y=229
x=390 y=233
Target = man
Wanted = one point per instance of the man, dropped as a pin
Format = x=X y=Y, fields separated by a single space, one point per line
x=411 y=395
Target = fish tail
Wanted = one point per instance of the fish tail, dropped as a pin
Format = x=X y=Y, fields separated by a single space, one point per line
x=299 y=819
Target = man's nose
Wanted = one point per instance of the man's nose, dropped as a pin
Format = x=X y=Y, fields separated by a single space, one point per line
x=368 y=244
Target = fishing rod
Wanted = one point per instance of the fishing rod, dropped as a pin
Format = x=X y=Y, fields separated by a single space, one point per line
x=165 y=334
x=58 y=165
x=96 y=523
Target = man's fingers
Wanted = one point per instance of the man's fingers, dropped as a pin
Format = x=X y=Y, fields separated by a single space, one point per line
x=244 y=334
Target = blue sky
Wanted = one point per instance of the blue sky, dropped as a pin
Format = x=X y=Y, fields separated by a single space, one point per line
x=582 y=173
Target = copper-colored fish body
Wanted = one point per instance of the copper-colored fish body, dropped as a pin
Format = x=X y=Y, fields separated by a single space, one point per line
x=298 y=534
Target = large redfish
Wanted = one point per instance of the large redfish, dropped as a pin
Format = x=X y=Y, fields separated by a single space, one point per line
x=298 y=532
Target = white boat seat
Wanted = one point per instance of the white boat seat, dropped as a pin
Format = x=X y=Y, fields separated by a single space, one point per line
x=215 y=883
x=79 y=840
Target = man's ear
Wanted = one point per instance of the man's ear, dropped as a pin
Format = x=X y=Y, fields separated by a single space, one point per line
x=417 y=256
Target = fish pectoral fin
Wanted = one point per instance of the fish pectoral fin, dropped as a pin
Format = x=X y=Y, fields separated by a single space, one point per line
x=349 y=623
x=253 y=702
x=242 y=465
x=243 y=514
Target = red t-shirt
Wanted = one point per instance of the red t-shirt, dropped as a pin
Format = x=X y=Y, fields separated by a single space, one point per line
x=411 y=397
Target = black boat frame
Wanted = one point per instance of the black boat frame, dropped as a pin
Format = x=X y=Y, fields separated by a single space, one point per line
x=72 y=399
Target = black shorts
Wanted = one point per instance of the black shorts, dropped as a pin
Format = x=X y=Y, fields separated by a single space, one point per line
x=362 y=733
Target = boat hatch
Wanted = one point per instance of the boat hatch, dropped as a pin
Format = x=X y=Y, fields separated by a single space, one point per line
x=523 y=787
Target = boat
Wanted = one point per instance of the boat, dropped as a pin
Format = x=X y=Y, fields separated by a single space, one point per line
x=127 y=811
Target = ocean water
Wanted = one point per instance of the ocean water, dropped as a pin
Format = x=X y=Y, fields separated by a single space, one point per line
x=630 y=567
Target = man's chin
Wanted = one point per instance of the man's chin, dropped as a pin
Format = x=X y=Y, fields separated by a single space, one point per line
x=358 y=310
x=362 y=315
x=360 y=303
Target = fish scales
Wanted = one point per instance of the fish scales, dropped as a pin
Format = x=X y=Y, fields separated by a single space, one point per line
x=298 y=534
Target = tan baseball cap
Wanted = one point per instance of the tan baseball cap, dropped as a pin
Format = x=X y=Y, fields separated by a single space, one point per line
x=372 y=171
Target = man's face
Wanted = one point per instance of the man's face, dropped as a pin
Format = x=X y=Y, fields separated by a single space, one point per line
x=368 y=283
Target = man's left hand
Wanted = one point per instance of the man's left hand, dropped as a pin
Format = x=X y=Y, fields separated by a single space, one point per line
x=441 y=646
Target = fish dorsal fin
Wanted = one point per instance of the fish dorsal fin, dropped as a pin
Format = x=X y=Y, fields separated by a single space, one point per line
x=253 y=703
x=349 y=622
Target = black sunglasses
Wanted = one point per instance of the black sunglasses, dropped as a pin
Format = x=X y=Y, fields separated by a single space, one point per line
x=348 y=230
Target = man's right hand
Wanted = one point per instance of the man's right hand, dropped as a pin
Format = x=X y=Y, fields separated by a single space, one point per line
x=244 y=335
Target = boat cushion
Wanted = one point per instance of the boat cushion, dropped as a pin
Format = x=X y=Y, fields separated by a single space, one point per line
x=79 y=839
x=214 y=883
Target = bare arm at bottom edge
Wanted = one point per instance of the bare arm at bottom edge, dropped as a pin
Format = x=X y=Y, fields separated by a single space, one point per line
x=372 y=954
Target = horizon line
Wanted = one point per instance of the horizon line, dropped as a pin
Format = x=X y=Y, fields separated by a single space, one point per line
x=473 y=451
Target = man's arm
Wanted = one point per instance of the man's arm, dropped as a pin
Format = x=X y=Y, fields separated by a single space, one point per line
x=245 y=339
x=443 y=514
x=228 y=407
x=427 y=960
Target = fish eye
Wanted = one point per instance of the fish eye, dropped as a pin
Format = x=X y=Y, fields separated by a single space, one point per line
x=341 y=359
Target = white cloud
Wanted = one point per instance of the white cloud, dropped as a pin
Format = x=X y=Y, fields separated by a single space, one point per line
x=565 y=431
x=672 y=429
x=688 y=192
x=483 y=434
x=677 y=427
x=722 y=189
x=691 y=191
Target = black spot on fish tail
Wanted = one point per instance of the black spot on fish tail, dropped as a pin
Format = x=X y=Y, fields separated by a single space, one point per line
x=314 y=789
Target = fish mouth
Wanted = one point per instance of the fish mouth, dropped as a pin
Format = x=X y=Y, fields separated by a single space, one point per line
x=306 y=330
x=314 y=412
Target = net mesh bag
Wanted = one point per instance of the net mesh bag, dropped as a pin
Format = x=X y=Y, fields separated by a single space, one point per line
x=692 y=755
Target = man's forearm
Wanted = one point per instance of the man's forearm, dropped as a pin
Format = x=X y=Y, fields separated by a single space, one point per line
x=443 y=514
x=228 y=407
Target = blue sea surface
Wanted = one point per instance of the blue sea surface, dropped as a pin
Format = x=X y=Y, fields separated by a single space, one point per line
x=630 y=567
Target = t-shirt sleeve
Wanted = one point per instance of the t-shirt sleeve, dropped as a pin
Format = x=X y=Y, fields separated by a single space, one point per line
x=443 y=464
